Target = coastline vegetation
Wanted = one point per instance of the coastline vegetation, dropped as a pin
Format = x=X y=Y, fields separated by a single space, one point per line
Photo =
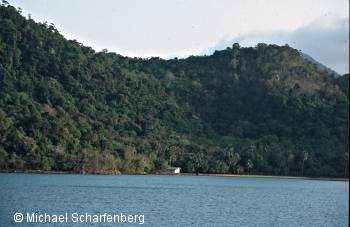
x=257 y=110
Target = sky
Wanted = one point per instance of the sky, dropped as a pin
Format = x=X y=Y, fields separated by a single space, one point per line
x=180 y=28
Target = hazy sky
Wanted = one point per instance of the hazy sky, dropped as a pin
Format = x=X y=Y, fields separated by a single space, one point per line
x=179 y=28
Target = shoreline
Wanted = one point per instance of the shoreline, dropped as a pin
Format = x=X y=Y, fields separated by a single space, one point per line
x=275 y=177
x=181 y=174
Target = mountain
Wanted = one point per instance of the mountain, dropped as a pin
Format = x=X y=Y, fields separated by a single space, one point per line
x=261 y=110
x=320 y=65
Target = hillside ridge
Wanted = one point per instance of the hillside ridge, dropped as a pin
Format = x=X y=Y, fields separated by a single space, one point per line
x=261 y=110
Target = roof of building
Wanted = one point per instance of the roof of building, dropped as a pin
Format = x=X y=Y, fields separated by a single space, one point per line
x=173 y=168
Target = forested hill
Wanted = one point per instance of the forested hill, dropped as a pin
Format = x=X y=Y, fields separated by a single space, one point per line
x=261 y=110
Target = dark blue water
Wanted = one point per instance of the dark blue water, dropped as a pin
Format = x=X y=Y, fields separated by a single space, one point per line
x=176 y=200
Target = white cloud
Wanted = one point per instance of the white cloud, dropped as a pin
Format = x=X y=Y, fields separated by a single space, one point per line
x=326 y=39
x=186 y=27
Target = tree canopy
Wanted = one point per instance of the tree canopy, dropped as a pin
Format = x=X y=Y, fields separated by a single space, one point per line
x=256 y=110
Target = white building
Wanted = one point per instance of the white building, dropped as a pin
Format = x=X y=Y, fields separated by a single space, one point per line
x=173 y=170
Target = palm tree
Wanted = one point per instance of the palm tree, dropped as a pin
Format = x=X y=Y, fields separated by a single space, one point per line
x=346 y=169
x=249 y=165
x=306 y=156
